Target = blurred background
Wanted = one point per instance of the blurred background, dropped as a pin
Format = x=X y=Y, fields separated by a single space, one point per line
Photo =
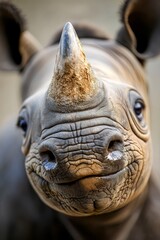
x=44 y=18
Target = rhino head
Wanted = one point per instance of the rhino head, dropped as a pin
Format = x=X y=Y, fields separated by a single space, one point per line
x=86 y=129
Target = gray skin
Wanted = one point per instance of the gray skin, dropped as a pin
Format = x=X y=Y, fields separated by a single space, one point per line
x=88 y=158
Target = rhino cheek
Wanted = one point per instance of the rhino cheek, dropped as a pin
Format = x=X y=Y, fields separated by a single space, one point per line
x=140 y=169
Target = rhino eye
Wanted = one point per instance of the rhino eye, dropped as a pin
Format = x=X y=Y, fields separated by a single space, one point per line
x=138 y=109
x=138 y=106
x=22 y=122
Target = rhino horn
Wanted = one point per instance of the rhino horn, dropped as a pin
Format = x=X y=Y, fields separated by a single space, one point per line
x=73 y=81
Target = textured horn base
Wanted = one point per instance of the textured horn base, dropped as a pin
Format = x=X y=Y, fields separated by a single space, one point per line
x=78 y=87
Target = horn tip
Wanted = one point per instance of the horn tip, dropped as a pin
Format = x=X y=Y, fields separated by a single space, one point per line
x=68 y=41
x=68 y=25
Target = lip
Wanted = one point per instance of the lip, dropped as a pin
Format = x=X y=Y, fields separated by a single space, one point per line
x=104 y=174
x=99 y=177
x=88 y=177
x=96 y=177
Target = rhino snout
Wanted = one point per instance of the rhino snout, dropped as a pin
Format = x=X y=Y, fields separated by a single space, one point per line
x=98 y=150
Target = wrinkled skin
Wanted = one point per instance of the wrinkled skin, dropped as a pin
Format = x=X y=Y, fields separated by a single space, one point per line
x=83 y=145
x=88 y=156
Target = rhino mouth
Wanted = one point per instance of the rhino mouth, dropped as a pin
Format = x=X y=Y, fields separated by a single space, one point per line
x=73 y=181
x=86 y=185
x=91 y=177
x=66 y=196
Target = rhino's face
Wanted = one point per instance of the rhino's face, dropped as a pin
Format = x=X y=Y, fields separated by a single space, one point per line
x=92 y=161
x=91 y=158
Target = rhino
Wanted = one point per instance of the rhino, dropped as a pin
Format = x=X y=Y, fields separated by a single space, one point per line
x=85 y=121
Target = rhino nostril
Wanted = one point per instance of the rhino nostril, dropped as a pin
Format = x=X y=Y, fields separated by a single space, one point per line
x=115 y=150
x=115 y=145
x=48 y=160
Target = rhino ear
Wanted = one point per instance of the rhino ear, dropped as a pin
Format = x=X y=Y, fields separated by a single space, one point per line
x=17 y=45
x=141 y=27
